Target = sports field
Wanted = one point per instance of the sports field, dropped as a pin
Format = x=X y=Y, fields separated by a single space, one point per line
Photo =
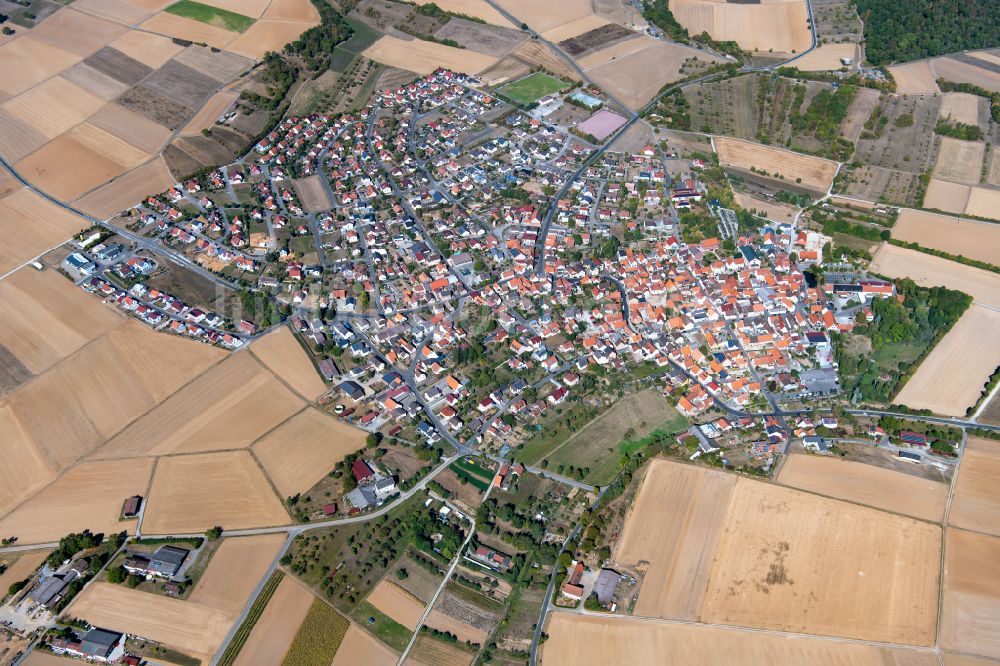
x=220 y=18
x=532 y=88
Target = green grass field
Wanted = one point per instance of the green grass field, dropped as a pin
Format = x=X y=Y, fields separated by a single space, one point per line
x=532 y=88
x=220 y=18
x=387 y=630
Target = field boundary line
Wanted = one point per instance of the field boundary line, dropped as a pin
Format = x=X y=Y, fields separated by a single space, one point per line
x=142 y=510
x=944 y=539
x=276 y=375
x=270 y=483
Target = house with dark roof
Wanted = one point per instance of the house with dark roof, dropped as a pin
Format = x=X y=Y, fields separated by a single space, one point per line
x=606 y=586
x=165 y=562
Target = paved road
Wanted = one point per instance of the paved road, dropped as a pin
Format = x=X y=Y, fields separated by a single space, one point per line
x=535 y=640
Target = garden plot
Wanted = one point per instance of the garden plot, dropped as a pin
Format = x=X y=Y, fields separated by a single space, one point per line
x=195 y=492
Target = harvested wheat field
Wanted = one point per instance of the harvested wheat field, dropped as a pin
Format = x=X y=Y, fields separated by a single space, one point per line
x=638 y=75
x=544 y=16
x=172 y=25
x=948 y=659
x=295 y=10
x=674 y=527
x=300 y=452
x=422 y=57
x=251 y=8
x=26 y=62
x=428 y=651
x=151 y=50
x=88 y=496
x=185 y=626
x=949 y=197
x=46 y=658
x=816 y=173
x=108 y=145
x=47 y=301
x=19 y=566
x=95 y=81
x=465 y=632
x=215 y=107
x=53 y=107
x=960 y=161
x=792 y=561
x=827 y=57
x=476 y=8
x=25 y=469
x=778 y=26
x=977 y=71
x=954 y=235
x=984 y=202
x=916 y=78
x=18 y=139
x=77 y=32
x=596 y=641
x=282 y=353
x=43 y=168
x=131 y=127
x=574 y=28
x=34 y=226
x=192 y=493
x=976 y=502
x=397 y=603
x=930 y=271
x=970 y=615
x=124 y=12
x=273 y=634
x=219 y=65
x=234 y=571
x=127 y=371
x=313 y=194
x=772 y=210
x=359 y=646
x=227 y=407
x=866 y=484
x=127 y=190
x=268 y=35
x=960 y=108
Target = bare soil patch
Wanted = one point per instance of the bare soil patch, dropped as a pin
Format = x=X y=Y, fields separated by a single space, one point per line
x=312 y=193
x=227 y=407
x=792 y=561
x=119 y=66
x=397 y=603
x=672 y=530
x=36 y=224
x=970 y=615
x=302 y=450
x=489 y=39
x=127 y=190
x=193 y=493
x=976 y=502
x=88 y=496
x=273 y=634
x=816 y=173
x=931 y=271
x=866 y=484
x=593 y=641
